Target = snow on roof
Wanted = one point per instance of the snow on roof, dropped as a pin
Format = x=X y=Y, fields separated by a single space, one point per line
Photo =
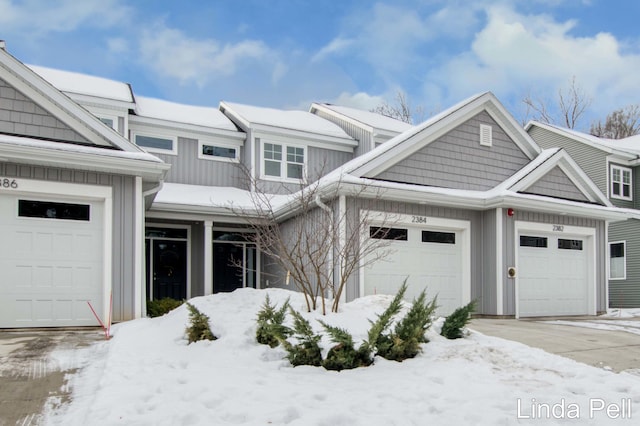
x=294 y=120
x=630 y=144
x=188 y=114
x=83 y=84
x=372 y=119
x=82 y=149
x=210 y=196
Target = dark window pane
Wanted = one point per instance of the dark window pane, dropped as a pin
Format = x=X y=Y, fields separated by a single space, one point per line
x=527 y=241
x=617 y=250
x=218 y=151
x=152 y=142
x=379 y=233
x=51 y=210
x=438 y=237
x=232 y=236
x=569 y=244
x=180 y=233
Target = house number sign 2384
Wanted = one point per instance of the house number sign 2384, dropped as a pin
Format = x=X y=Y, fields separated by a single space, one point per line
x=8 y=183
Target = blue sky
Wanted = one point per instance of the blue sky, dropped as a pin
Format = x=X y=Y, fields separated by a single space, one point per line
x=288 y=53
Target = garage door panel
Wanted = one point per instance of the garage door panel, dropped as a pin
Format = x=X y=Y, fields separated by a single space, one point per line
x=553 y=280
x=51 y=267
x=436 y=267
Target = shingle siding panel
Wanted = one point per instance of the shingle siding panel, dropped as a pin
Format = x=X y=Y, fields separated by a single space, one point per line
x=556 y=184
x=457 y=160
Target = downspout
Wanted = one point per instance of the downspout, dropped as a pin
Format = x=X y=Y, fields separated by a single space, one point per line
x=327 y=209
x=153 y=190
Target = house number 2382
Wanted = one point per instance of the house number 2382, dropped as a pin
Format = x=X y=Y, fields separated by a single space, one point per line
x=8 y=183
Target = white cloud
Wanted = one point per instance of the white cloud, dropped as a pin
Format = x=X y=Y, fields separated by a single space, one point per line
x=515 y=52
x=360 y=100
x=170 y=53
x=335 y=46
x=39 y=17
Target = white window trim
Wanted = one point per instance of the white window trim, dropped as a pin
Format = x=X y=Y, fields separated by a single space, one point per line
x=174 y=139
x=202 y=156
x=624 y=276
x=283 y=162
x=622 y=170
x=113 y=118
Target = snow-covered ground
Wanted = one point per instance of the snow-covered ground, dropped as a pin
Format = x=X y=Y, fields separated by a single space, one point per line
x=148 y=375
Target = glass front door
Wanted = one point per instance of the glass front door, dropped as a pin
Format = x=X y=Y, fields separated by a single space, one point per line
x=234 y=261
x=166 y=263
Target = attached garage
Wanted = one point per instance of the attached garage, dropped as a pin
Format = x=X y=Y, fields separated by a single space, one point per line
x=430 y=253
x=55 y=253
x=555 y=270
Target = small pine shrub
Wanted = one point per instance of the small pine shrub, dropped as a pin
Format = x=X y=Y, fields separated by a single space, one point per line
x=409 y=332
x=159 y=307
x=343 y=356
x=454 y=323
x=198 y=328
x=271 y=329
x=307 y=350
x=376 y=341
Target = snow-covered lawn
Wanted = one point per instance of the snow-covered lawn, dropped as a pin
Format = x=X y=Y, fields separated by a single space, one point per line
x=148 y=375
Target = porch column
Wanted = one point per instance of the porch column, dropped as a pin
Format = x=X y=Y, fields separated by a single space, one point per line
x=208 y=258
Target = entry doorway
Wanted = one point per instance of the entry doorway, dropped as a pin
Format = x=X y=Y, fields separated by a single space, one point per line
x=235 y=261
x=167 y=255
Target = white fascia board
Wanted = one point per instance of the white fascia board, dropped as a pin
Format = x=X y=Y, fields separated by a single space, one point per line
x=336 y=114
x=94 y=101
x=295 y=137
x=175 y=128
x=197 y=213
x=234 y=116
x=149 y=170
x=60 y=105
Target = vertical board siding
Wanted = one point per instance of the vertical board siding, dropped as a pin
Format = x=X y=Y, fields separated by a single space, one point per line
x=19 y=115
x=123 y=241
x=626 y=293
x=555 y=219
x=457 y=160
x=364 y=137
x=556 y=184
x=187 y=168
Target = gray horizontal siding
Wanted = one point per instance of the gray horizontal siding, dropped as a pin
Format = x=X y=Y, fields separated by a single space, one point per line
x=19 y=115
x=556 y=184
x=364 y=137
x=626 y=293
x=457 y=160
x=592 y=160
x=123 y=223
x=187 y=168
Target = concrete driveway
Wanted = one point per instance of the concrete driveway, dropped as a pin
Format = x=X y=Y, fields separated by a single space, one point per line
x=574 y=338
x=29 y=376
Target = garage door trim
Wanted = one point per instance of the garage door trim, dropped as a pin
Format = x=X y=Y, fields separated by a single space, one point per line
x=72 y=191
x=557 y=230
x=376 y=218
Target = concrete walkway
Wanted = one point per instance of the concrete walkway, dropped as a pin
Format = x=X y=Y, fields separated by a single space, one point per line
x=28 y=376
x=615 y=350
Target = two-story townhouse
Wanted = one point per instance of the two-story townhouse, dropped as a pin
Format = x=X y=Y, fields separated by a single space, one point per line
x=480 y=210
x=613 y=167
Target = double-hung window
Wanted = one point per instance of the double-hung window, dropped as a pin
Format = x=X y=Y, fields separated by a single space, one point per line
x=283 y=161
x=621 y=183
x=617 y=260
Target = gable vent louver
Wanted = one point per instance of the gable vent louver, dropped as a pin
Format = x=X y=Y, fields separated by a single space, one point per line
x=486 y=138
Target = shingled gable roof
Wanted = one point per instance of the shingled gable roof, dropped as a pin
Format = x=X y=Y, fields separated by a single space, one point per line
x=32 y=85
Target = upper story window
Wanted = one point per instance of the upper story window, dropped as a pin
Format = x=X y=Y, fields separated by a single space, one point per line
x=621 y=186
x=209 y=151
x=109 y=121
x=160 y=144
x=283 y=161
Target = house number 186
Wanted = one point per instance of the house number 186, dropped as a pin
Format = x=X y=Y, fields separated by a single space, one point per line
x=8 y=183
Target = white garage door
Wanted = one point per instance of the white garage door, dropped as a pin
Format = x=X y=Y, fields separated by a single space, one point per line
x=555 y=277
x=428 y=258
x=51 y=258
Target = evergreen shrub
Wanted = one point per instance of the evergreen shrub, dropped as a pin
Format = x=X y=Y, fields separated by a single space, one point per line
x=271 y=329
x=198 y=328
x=159 y=307
x=343 y=356
x=455 y=323
x=307 y=349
